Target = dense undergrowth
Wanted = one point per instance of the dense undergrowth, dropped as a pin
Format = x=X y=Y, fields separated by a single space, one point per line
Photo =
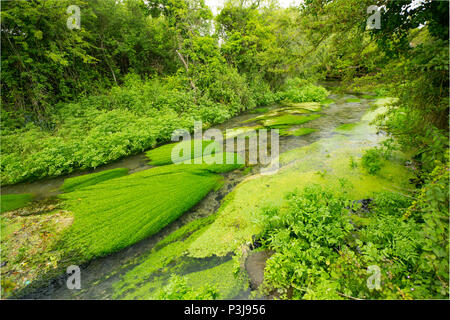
x=327 y=246
x=129 y=119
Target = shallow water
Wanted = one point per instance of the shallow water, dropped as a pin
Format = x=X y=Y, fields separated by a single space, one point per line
x=100 y=274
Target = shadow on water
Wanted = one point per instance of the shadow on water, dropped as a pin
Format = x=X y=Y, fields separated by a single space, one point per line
x=99 y=275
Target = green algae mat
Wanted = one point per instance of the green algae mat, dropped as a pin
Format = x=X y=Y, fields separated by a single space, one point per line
x=116 y=213
x=71 y=184
x=14 y=201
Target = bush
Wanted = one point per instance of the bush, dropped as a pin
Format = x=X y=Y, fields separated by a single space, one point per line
x=371 y=160
x=325 y=248
x=299 y=90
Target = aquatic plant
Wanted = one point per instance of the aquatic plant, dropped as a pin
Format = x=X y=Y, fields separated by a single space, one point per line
x=90 y=179
x=116 y=213
x=14 y=201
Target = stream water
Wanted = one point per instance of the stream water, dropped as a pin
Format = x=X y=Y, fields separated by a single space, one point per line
x=100 y=274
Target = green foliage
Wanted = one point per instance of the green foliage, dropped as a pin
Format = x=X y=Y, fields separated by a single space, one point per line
x=299 y=90
x=322 y=252
x=371 y=160
x=305 y=237
x=86 y=180
x=14 y=201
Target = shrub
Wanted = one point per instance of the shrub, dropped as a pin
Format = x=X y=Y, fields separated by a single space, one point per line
x=371 y=160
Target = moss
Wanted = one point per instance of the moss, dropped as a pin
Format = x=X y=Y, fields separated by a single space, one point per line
x=14 y=201
x=354 y=100
x=368 y=96
x=116 y=213
x=74 y=183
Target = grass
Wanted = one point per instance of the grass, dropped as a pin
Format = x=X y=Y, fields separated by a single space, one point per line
x=114 y=214
x=86 y=180
x=14 y=201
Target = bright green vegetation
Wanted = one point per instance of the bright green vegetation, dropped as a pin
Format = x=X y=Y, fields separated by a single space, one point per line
x=297 y=132
x=167 y=251
x=178 y=289
x=308 y=106
x=247 y=131
x=138 y=70
x=214 y=283
x=324 y=245
x=235 y=225
x=86 y=180
x=346 y=126
x=368 y=96
x=299 y=90
x=288 y=120
x=260 y=110
x=116 y=213
x=217 y=282
x=163 y=155
x=327 y=101
x=14 y=201
x=371 y=160
x=303 y=131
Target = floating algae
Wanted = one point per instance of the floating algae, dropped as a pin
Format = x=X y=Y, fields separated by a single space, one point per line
x=297 y=132
x=309 y=106
x=116 y=213
x=14 y=201
x=86 y=180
